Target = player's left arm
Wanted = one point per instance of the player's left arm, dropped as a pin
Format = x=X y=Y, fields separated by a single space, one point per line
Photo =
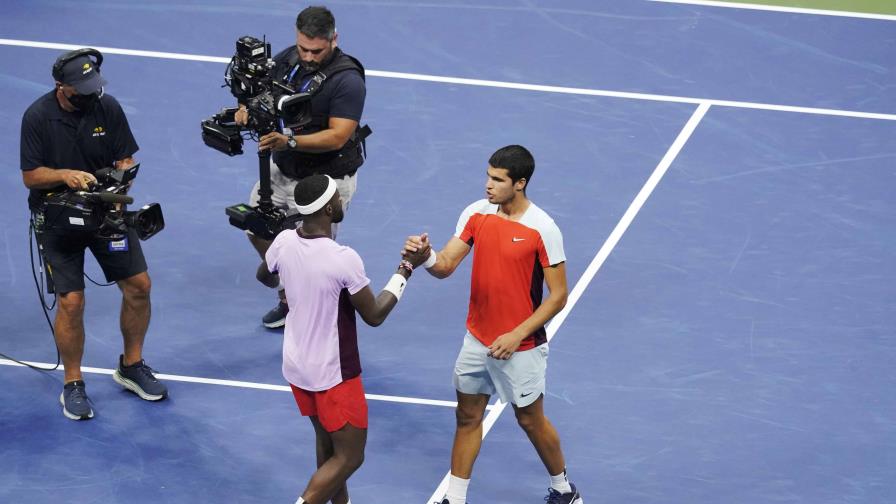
x=375 y=308
x=555 y=277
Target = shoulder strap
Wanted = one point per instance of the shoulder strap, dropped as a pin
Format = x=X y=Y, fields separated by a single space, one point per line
x=289 y=55
x=342 y=63
x=288 y=58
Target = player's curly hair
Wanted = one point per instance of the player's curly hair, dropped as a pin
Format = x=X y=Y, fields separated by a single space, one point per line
x=310 y=188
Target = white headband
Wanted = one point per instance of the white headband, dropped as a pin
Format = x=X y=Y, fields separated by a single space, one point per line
x=319 y=203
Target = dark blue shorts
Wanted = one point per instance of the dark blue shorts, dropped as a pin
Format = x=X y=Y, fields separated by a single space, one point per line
x=63 y=256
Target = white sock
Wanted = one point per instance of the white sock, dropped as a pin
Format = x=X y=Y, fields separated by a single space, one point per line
x=560 y=483
x=300 y=501
x=457 y=490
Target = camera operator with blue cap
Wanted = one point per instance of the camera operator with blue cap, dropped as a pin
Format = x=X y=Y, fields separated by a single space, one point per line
x=68 y=134
x=332 y=144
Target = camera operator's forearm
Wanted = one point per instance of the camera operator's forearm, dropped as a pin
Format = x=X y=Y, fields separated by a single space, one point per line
x=42 y=178
x=323 y=141
x=48 y=178
x=124 y=164
x=333 y=138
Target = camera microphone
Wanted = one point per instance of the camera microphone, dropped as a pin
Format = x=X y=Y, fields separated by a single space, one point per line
x=107 y=197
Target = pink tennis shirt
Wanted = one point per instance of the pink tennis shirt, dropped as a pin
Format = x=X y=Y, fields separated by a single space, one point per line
x=320 y=341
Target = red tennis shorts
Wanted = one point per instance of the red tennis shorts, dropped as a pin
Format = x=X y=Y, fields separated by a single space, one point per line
x=335 y=407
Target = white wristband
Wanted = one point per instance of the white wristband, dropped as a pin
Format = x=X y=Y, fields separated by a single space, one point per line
x=431 y=260
x=396 y=285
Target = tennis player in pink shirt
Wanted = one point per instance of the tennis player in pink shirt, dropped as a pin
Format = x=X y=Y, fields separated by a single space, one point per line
x=325 y=286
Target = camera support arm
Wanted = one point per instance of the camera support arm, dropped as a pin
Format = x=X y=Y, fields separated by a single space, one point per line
x=265 y=204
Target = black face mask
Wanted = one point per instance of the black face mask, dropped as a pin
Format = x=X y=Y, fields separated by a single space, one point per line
x=84 y=102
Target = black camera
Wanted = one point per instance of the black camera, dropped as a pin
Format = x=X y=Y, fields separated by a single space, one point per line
x=249 y=76
x=261 y=221
x=101 y=209
x=221 y=133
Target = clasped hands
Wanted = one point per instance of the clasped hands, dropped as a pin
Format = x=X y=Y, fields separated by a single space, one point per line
x=416 y=249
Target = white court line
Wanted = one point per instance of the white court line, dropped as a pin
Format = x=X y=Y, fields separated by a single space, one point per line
x=114 y=50
x=598 y=260
x=774 y=8
x=491 y=83
x=248 y=385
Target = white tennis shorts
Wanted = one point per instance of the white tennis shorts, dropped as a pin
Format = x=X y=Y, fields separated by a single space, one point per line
x=519 y=380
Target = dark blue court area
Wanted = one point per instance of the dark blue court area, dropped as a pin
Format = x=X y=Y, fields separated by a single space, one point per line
x=737 y=345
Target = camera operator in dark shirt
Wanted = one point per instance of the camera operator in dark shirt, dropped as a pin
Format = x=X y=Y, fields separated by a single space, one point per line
x=68 y=135
x=332 y=144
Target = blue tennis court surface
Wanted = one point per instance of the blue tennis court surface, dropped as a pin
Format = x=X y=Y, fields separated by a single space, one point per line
x=733 y=340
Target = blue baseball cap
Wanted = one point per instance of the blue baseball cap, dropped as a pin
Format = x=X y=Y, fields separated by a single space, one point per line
x=82 y=74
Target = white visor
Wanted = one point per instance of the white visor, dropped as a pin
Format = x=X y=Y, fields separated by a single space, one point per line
x=319 y=203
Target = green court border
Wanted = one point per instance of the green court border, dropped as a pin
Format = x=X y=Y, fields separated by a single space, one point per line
x=864 y=6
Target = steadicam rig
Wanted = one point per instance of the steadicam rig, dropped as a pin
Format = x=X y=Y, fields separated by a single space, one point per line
x=270 y=104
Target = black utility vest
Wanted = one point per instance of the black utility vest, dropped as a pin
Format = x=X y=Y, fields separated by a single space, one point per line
x=336 y=164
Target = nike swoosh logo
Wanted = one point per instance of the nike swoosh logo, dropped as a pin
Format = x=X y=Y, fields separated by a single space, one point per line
x=518 y=239
x=525 y=395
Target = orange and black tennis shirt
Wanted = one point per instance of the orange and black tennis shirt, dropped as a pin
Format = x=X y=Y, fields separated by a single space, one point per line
x=509 y=258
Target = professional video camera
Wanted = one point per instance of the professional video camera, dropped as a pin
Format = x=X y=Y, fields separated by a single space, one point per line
x=251 y=81
x=102 y=208
x=269 y=103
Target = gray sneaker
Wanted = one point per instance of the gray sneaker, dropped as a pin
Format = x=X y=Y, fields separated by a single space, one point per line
x=276 y=317
x=75 y=403
x=571 y=497
x=139 y=379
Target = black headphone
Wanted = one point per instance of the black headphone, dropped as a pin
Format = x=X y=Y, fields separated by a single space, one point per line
x=65 y=58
